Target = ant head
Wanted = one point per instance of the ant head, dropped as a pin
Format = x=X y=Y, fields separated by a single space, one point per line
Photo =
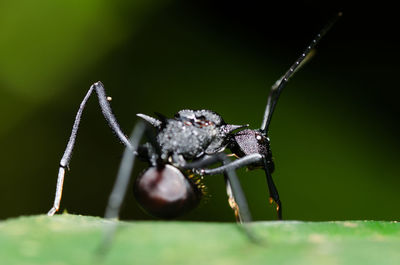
x=248 y=142
x=165 y=192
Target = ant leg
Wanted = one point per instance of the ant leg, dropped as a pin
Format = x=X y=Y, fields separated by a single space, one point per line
x=124 y=172
x=245 y=161
x=238 y=163
x=236 y=198
x=273 y=191
x=204 y=161
x=112 y=122
x=237 y=201
x=231 y=200
x=123 y=178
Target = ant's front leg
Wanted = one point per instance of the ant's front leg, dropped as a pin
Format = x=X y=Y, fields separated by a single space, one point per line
x=252 y=159
x=236 y=198
x=273 y=191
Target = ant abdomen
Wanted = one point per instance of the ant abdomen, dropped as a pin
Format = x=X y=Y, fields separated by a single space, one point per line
x=165 y=192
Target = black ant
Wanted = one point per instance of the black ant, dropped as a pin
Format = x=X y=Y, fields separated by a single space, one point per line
x=184 y=146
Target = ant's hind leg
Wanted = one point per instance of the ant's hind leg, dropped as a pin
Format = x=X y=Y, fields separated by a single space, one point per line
x=112 y=122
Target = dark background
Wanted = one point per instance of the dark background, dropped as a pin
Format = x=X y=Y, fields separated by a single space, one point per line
x=334 y=133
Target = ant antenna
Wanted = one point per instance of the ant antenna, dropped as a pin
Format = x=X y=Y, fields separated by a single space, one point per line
x=280 y=84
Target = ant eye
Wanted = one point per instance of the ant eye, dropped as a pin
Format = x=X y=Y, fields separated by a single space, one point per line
x=259 y=137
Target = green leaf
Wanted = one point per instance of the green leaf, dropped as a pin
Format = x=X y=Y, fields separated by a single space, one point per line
x=72 y=239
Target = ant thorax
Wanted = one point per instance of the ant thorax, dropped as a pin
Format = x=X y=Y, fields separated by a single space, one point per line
x=191 y=134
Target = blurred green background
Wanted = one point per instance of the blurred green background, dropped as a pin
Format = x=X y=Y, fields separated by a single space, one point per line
x=334 y=133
